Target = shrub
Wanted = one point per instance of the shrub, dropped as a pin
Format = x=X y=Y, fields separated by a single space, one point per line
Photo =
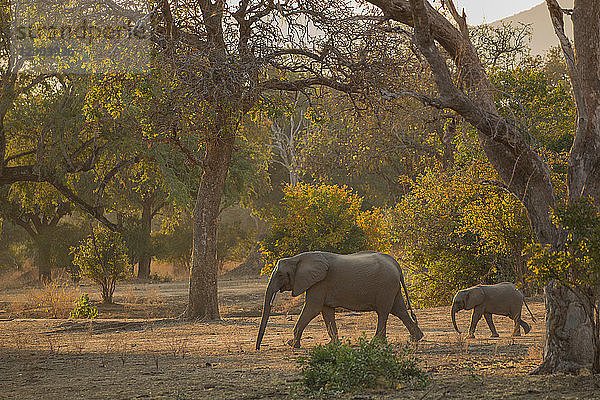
x=341 y=367
x=455 y=232
x=54 y=299
x=83 y=308
x=577 y=263
x=323 y=218
x=103 y=258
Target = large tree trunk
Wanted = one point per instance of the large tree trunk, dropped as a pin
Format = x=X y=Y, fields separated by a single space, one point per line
x=145 y=257
x=203 y=302
x=569 y=334
x=43 y=261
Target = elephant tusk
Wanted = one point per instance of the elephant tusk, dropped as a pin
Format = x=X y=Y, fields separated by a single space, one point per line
x=272 y=300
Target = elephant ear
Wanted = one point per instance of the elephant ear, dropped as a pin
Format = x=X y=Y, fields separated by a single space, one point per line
x=474 y=298
x=311 y=268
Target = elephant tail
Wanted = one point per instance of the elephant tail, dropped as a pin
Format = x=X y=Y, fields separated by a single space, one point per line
x=409 y=307
x=530 y=313
x=412 y=313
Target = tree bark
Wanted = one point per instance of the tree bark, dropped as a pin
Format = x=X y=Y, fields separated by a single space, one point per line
x=43 y=261
x=569 y=334
x=108 y=289
x=145 y=257
x=144 y=266
x=203 y=303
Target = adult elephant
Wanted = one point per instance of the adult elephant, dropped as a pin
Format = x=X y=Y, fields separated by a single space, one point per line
x=365 y=281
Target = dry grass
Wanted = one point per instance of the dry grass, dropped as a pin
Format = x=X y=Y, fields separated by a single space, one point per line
x=132 y=296
x=53 y=300
x=153 y=297
x=217 y=360
x=19 y=278
x=228 y=266
x=162 y=269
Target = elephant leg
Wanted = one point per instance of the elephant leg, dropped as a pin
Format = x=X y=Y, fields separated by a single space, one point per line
x=525 y=325
x=490 y=322
x=475 y=317
x=382 y=318
x=309 y=311
x=328 y=314
x=517 y=329
x=399 y=310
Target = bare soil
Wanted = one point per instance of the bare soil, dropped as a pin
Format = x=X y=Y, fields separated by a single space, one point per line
x=137 y=350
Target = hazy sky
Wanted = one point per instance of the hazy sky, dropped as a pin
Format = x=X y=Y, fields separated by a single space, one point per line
x=492 y=10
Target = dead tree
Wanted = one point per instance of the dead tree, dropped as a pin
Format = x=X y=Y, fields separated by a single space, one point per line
x=286 y=136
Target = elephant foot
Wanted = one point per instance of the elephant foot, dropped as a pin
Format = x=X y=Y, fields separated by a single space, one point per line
x=527 y=329
x=494 y=335
x=415 y=337
x=294 y=343
x=383 y=338
x=517 y=334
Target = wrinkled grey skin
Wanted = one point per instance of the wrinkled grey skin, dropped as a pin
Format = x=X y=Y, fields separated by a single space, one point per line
x=485 y=300
x=365 y=281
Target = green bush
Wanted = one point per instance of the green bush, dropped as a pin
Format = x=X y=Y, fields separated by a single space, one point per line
x=323 y=218
x=455 y=232
x=576 y=264
x=103 y=258
x=341 y=367
x=83 y=308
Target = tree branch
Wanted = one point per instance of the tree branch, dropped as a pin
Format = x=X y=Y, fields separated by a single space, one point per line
x=158 y=208
x=189 y=154
x=23 y=173
x=19 y=155
x=112 y=172
x=301 y=84
x=461 y=20
x=556 y=16
x=94 y=211
x=23 y=224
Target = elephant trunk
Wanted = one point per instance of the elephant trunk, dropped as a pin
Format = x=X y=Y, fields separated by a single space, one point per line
x=454 y=310
x=269 y=297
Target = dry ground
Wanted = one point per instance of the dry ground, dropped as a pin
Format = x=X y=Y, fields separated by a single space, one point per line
x=139 y=353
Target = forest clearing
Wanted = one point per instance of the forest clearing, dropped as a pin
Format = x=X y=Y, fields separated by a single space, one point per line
x=121 y=357
x=361 y=187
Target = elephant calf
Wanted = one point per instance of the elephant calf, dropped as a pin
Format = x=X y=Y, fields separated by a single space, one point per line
x=500 y=299
x=365 y=281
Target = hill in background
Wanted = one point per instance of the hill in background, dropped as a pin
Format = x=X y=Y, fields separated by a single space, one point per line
x=543 y=36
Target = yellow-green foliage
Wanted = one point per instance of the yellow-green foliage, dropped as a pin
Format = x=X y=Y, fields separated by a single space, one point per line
x=544 y=108
x=577 y=263
x=456 y=232
x=84 y=308
x=325 y=218
x=103 y=258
